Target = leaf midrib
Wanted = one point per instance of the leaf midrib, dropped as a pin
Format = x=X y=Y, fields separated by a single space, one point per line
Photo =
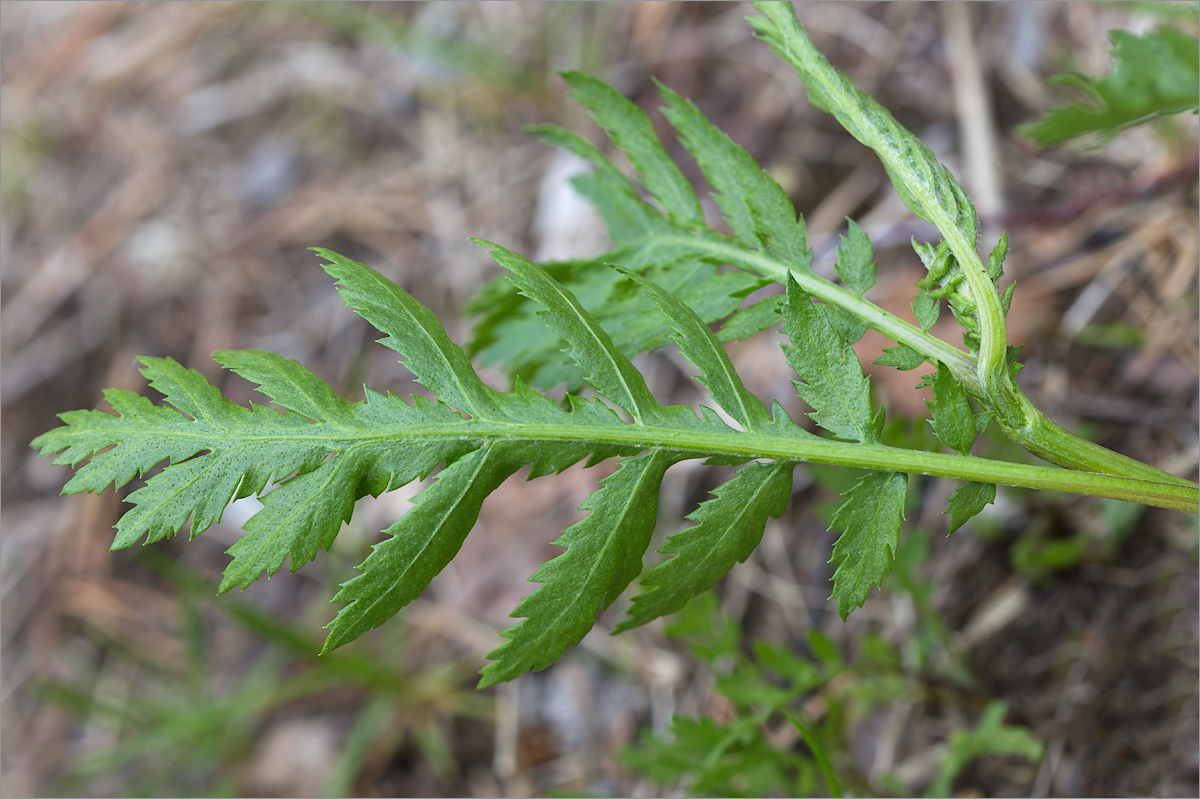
x=704 y=444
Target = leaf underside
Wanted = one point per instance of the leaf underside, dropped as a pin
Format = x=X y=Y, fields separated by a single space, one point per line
x=669 y=278
x=325 y=453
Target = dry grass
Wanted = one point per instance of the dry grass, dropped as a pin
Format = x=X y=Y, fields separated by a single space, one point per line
x=166 y=165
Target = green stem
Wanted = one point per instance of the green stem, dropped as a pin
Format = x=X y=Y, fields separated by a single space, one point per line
x=892 y=326
x=1047 y=440
x=1038 y=434
x=742 y=445
x=929 y=189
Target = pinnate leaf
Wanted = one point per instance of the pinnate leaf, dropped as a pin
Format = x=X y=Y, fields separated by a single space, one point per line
x=632 y=132
x=603 y=556
x=872 y=517
x=832 y=381
x=728 y=528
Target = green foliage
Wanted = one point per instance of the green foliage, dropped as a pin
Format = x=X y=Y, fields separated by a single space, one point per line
x=967 y=501
x=738 y=757
x=871 y=518
x=1155 y=74
x=991 y=737
x=819 y=693
x=580 y=322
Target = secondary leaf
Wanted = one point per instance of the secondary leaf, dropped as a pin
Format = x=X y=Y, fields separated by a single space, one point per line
x=627 y=218
x=509 y=332
x=855 y=259
x=745 y=322
x=872 y=517
x=757 y=209
x=728 y=528
x=700 y=346
x=968 y=500
x=412 y=330
x=832 y=381
x=903 y=358
x=603 y=555
x=952 y=419
x=926 y=309
x=589 y=345
x=420 y=544
x=632 y=132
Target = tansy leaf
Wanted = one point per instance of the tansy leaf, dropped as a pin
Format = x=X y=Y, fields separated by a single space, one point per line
x=968 y=500
x=728 y=528
x=872 y=517
x=952 y=419
x=832 y=381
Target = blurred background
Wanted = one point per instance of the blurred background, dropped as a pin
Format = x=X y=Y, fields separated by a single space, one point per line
x=167 y=165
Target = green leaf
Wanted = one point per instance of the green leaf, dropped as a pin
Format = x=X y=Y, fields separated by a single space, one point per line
x=855 y=259
x=926 y=309
x=313 y=459
x=968 y=500
x=832 y=381
x=603 y=555
x=420 y=544
x=412 y=330
x=512 y=335
x=819 y=755
x=990 y=737
x=872 y=516
x=631 y=131
x=903 y=358
x=849 y=327
x=953 y=422
x=995 y=265
x=757 y=209
x=325 y=453
x=299 y=516
x=745 y=322
x=1153 y=74
x=700 y=346
x=589 y=345
x=289 y=384
x=728 y=528
x=627 y=218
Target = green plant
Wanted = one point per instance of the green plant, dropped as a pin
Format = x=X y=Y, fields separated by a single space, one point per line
x=1153 y=75
x=742 y=756
x=326 y=452
x=791 y=715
